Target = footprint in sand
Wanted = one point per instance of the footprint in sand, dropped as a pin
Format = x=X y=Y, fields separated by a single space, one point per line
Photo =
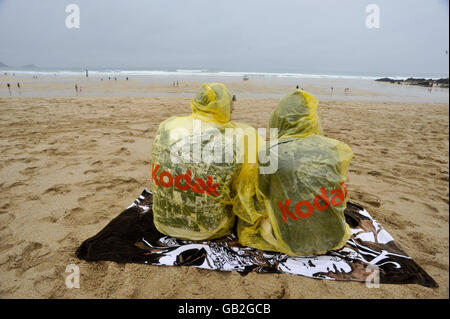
x=444 y=199
x=29 y=171
x=4 y=208
x=110 y=183
x=12 y=185
x=58 y=189
x=367 y=198
x=122 y=151
x=394 y=219
x=31 y=256
x=115 y=162
x=423 y=242
x=97 y=163
x=430 y=207
x=80 y=216
x=49 y=219
x=5 y=220
x=91 y=171
x=374 y=173
x=41 y=285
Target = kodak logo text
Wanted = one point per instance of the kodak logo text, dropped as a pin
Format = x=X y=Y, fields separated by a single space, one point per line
x=184 y=182
x=304 y=209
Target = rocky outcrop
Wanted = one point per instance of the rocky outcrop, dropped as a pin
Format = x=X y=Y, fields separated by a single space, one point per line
x=443 y=82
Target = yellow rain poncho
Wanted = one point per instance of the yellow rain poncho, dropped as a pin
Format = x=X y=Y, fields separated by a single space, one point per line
x=299 y=209
x=200 y=165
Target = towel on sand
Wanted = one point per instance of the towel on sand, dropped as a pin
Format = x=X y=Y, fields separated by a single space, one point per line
x=370 y=251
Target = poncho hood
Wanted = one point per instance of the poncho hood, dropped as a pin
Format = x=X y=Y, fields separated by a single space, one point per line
x=296 y=115
x=212 y=103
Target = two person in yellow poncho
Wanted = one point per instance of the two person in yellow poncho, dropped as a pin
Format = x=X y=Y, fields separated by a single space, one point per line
x=309 y=166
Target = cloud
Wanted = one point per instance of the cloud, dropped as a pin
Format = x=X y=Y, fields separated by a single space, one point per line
x=251 y=35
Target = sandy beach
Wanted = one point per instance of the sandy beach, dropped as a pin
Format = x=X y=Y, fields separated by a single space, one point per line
x=69 y=164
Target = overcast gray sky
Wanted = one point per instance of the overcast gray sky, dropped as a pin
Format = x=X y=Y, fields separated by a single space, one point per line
x=326 y=36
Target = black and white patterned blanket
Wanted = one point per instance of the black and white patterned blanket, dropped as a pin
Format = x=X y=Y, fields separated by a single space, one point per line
x=370 y=254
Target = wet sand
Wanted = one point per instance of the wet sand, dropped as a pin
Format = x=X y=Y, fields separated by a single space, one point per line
x=256 y=87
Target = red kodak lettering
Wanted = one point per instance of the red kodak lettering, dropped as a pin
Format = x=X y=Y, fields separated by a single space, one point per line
x=345 y=189
x=298 y=209
x=199 y=186
x=338 y=198
x=212 y=188
x=154 y=172
x=324 y=196
x=167 y=184
x=285 y=210
x=187 y=178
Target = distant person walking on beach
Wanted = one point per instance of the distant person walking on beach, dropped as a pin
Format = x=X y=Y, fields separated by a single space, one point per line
x=18 y=86
x=76 y=89
x=87 y=73
x=9 y=88
x=331 y=90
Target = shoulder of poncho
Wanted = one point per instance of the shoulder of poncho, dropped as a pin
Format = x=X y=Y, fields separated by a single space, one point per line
x=233 y=124
x=329 y=140
x=172 y=119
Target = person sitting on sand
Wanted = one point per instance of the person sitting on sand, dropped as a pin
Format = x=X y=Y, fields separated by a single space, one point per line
x=299 y=209
x=196 y=169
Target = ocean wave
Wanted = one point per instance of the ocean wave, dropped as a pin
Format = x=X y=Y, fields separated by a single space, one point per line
x=195 y=72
